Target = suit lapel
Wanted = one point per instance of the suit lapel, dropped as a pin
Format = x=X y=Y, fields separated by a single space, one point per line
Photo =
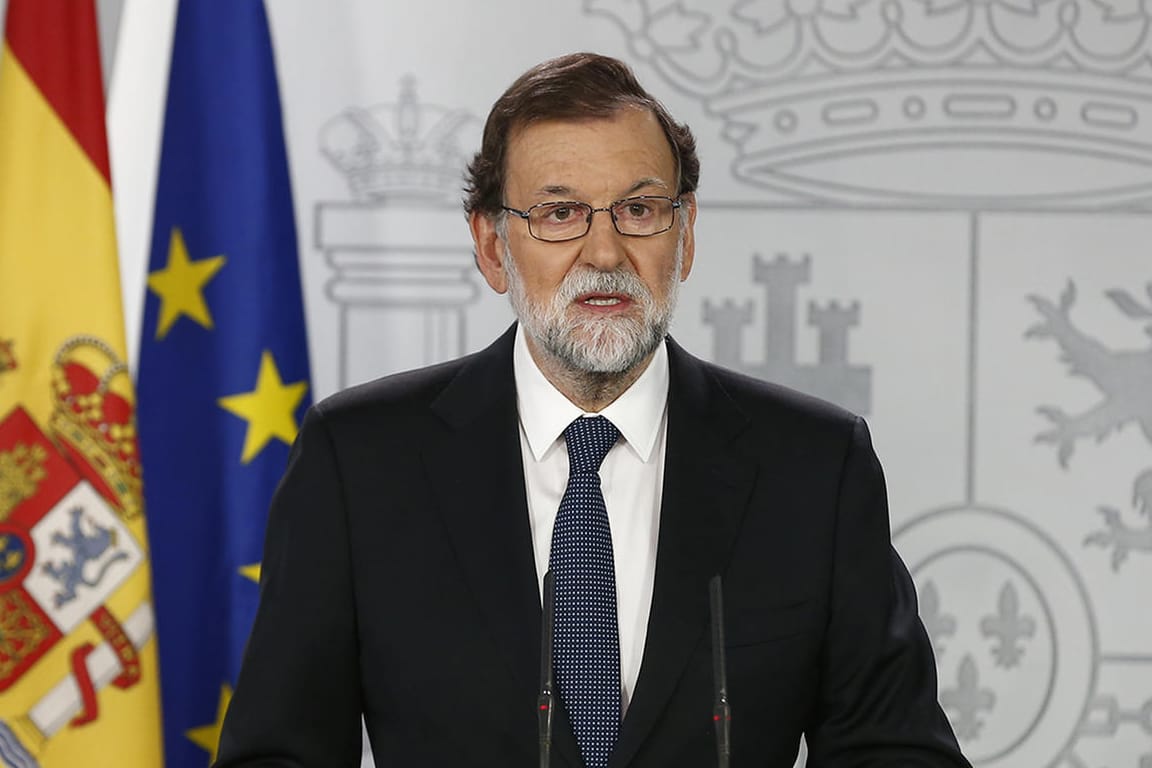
x=479 y=483
x=706 y=489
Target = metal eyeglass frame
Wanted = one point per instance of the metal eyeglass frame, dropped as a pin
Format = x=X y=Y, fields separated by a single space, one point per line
x=610 y=209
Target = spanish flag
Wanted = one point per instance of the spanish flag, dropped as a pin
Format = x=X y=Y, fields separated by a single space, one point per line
x=78 y=678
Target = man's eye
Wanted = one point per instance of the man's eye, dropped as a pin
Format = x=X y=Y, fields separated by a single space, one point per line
x=637 y=210
x=558 y=214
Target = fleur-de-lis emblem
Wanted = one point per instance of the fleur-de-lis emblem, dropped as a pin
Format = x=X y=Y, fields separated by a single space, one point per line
x=1008 y=626
x=967 y=700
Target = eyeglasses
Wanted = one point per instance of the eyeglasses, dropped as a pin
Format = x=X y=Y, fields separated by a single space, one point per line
x=641 y=216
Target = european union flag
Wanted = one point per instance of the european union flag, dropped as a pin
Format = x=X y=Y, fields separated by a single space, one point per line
x=223 y=374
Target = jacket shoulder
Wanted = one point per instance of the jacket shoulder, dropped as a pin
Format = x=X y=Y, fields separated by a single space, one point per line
x=398 y=391
x=481 y=376
x=777 y=397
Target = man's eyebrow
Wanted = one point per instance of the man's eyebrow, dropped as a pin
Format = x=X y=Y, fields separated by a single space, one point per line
x=648 y=181
x=555 y=190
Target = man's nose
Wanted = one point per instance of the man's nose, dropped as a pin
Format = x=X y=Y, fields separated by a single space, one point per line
x=603 y=246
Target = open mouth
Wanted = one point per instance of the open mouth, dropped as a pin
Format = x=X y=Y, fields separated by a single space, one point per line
x=603 y=300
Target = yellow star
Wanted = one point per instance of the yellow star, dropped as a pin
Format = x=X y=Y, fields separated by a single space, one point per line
x=180 y=285
x=207 y=737
x=251 y=572
x=270 y=409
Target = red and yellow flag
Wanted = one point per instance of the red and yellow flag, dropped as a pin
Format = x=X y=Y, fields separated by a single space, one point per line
x=78 y=679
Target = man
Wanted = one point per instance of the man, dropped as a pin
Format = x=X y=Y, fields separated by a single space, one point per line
x=408 y=540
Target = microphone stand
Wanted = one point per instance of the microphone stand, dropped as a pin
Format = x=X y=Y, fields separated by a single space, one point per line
x=721 y=711
x=547 y=698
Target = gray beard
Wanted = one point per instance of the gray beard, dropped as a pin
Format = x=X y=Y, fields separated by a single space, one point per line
x=613 y=345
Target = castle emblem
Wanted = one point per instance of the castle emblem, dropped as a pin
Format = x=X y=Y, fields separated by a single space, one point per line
x=21 y=470
x=832 y=377
x=1124 y=380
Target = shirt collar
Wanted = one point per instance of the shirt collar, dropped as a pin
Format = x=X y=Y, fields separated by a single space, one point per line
x=545 y=412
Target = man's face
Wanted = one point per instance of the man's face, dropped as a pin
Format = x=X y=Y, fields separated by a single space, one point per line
x=602 y=302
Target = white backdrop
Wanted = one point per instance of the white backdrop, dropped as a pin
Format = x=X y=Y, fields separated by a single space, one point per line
x=936 y=212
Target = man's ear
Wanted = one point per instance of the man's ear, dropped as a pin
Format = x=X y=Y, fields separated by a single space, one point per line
x=689 y=202
x=489 y=250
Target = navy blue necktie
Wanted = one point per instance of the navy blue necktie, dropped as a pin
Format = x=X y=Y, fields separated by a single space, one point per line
x=587 y=637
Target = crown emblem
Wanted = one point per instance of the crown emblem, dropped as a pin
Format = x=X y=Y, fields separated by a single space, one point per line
x=818 y=96
x=405 y=150
x=93 y=419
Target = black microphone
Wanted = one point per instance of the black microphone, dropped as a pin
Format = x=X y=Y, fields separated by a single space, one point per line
x=547 y=698
x=721 y=711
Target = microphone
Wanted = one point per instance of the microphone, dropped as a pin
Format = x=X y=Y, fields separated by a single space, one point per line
x=721 y=711
x=547 y=698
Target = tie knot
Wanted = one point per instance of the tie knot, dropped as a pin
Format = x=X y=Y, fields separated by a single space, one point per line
x=589 y=439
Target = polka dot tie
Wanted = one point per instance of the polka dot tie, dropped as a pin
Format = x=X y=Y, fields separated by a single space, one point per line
x=587 y=640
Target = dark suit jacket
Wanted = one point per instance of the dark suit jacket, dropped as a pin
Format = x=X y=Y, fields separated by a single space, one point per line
x=399 y=581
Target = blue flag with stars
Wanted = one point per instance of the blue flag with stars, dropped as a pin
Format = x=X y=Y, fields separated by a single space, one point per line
x=223 y=372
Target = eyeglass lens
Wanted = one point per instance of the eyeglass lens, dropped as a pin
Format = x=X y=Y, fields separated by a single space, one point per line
x=636 y=216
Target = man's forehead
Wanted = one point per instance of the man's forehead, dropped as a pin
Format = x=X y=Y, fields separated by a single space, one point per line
x=557 y=156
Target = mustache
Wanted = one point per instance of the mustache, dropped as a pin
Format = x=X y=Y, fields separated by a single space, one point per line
x=587 y=281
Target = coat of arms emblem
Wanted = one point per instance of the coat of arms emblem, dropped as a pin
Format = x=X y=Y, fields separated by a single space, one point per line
x=67 y=494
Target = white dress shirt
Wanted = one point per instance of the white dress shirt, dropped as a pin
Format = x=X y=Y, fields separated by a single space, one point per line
x=631 y=477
